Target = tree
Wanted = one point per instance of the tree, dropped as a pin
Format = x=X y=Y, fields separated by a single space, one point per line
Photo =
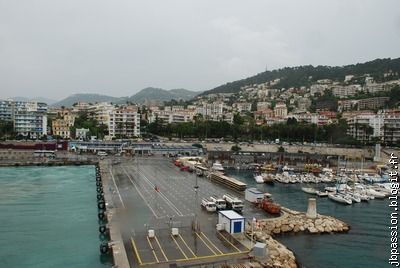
x=6 y=129
x=236 y=148
x=281 y=149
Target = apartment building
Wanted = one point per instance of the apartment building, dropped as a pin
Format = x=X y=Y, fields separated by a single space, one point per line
x=169 y=116
x=124 y=122
x=346 y=91
x=101 y=112
x=61 y=126
x=372 y=103
x=280 y=110
x=6 y=110
x=211 y=110
x=385 y=125
x=242 y=106
x=30 y=118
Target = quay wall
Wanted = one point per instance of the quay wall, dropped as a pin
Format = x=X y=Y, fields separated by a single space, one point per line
x=116 y=243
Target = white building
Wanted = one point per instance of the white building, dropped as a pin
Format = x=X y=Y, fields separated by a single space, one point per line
x=280 y=110
x=346 y=91
x=124 y=122
x=81 y=133
x=384 y=125
x=30 y=118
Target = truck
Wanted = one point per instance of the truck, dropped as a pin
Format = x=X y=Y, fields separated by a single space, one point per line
x=233 y=203
x=219 y=202
x=208 y=205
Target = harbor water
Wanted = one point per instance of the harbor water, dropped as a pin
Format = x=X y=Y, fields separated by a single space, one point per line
x=367 y=244
x=49 y=218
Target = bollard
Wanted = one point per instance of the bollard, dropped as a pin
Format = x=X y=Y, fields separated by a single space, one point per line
x=312 y=208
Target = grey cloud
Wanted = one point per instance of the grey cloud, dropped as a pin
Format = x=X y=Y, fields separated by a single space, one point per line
x=54 y=48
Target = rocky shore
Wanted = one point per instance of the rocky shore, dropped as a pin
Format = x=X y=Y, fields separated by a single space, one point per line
x=295 y=222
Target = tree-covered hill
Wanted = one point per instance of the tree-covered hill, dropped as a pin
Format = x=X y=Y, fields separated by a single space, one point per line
x=306 y=75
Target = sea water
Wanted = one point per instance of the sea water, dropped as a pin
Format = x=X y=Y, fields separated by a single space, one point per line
x=367 y=244
x=48 y=217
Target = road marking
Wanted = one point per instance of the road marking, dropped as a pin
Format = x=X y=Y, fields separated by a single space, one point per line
x=162 y=251
x=210 y=256
x=152 y=249
x=129 y=177
x=183 y=240
x=120 y=197
x=206 y=244
x=211 y=243
x=186 y=257
x=136 y=251
x=229 y=242
x=174 y=208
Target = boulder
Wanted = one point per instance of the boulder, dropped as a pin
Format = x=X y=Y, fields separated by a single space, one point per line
x=312 y=230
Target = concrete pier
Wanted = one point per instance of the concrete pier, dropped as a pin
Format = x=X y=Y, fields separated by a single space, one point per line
x=118 y=249
x=312 y=208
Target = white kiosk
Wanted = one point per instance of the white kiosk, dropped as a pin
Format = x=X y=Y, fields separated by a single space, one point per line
x=232 y=222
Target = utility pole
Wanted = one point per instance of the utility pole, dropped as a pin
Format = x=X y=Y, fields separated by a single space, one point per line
x=196 y=226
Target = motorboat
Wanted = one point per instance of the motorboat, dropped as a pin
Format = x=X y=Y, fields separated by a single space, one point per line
x=268 y=178
x=375 y=193
x=354 y=197
x=258 y=178
x=217 y=166
x=340 y=199
x=322 y=193
x=309 y=190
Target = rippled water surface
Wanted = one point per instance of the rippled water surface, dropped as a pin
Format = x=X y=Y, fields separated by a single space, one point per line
x=48 y=217
x=366 y=245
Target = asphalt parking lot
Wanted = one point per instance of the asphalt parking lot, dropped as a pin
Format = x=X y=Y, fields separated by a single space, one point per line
x=158 y=196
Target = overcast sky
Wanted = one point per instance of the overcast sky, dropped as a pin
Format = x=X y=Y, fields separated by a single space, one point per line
x=53 y=48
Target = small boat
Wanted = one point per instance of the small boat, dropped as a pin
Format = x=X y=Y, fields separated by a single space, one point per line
x=268 y=167
x=286 y=168
x=258 y=178
x=322 y=193
x=354 y=197
x=330 y=189
x=364 y=197
x=268 y=178
x=309 y=190
x=340 y=199
x=217 y=166
x=375 y=194
x=269 y=205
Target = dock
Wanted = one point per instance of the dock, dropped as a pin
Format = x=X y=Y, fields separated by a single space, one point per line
x=229 y=182
x=116 y=242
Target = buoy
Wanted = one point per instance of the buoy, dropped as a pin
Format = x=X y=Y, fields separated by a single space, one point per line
x=104 y=248
x=101 y=205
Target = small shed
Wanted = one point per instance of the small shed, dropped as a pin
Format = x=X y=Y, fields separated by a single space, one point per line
x=231 y=221
x=253 y=195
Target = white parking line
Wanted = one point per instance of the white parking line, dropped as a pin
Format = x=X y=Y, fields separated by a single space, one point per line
x=162 y=195
x=116 y=187
x=134 y=185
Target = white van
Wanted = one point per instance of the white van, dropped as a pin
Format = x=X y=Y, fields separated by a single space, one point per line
x=102 y=153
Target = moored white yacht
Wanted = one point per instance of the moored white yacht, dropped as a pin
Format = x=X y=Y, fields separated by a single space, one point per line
x=309 y=190
x=258 y=178
x=340 y=199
